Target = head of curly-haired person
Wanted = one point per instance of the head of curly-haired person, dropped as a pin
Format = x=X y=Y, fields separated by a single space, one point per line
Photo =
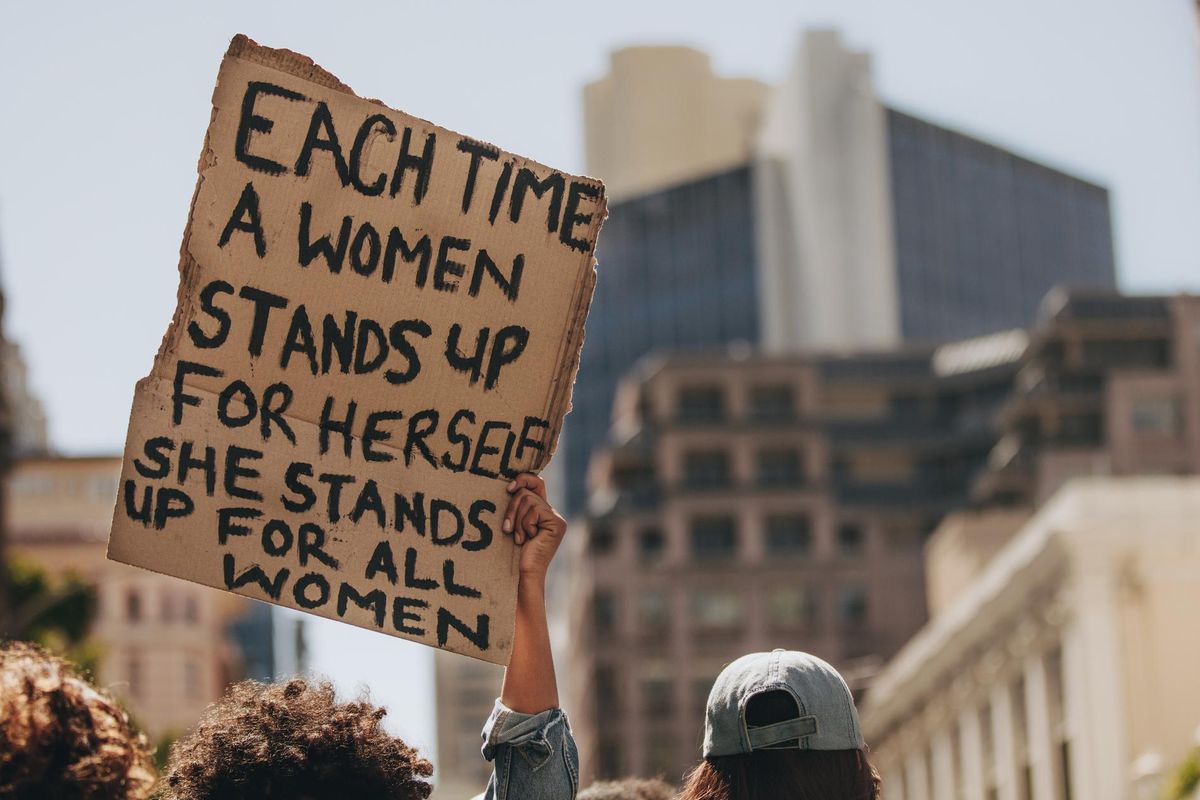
x=293 y=740
x=60 y=737
x=628 y=789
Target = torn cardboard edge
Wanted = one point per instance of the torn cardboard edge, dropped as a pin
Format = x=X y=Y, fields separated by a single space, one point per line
x=502 y=628
x=558 y=396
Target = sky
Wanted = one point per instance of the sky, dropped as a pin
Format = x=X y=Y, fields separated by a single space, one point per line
x=105 y=107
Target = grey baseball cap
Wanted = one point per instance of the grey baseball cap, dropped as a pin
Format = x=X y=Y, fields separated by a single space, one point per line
x=826 y=718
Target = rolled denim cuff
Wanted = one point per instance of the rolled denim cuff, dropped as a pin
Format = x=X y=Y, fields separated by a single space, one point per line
x=527 y=733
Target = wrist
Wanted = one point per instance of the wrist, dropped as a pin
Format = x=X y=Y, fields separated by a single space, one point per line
x=531 y=584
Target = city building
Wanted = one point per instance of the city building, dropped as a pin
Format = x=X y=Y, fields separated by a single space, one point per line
x=677 y=272
x=662 y=117
x=876 y=226
x=848 y=223
x=465 y=690
x=1067 y=669
x=746 y=503
x=1110 y=385
x=165 y=644
x=27 y=416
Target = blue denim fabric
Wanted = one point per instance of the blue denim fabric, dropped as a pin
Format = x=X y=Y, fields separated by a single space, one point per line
x=534 y=755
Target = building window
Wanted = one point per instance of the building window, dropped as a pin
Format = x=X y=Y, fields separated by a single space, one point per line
x=1079 y=429
x=789 y=535
x=780 y=467
x=191 y=679
x=790 y=607
x=716 y=609
x=191 y=609
x=851 y=539
x=170 y=609
x=604 y=612
x=658 y=698
x=706 y=469
x=137 y=685
x=701 y=404
x=772 y=403
x=133 y=605
x=602 y=540
x=651 y=545
x=653 y=611
x=608 y=696
x=660 y=754
x=1156 y=415
x=714 y=538
x=852 y=606
x=609 y=756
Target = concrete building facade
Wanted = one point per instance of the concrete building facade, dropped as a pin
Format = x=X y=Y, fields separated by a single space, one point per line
x=823 y=209
x=1110 y=385
x=751 y=503
x=1067 y=669
x=847 y=224
x=662 y=117
x=165 y=644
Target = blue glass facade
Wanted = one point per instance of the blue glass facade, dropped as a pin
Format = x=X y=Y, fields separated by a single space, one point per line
x=982 y=234
x=254 y=634
x=676 y=270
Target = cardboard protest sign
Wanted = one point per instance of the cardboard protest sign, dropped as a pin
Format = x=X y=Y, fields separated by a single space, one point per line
x=378 y=326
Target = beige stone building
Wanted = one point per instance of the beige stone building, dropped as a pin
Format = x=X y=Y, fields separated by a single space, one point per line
x=1109 y=385
x=164 y=644
x=662 y=117
x=1067 y=668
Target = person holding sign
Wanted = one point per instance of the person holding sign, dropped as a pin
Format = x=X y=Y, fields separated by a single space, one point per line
x=295 y=741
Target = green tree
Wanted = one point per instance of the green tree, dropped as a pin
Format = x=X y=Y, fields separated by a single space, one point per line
x=1183 y=785
x=55 y=613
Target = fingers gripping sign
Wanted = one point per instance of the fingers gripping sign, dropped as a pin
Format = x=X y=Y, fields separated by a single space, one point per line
x=533 y=524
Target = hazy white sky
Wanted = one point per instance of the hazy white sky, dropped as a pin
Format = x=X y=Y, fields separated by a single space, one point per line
x=105 y=106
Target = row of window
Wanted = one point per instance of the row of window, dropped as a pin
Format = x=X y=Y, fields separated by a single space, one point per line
x=192 y=680
x=37 y=483
x=713 y=468
x=174 y=606
x=769 y=403
x=724 y=610
x=715 y=537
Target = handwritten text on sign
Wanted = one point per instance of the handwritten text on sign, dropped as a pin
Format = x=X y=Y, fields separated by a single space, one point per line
x=378 y=326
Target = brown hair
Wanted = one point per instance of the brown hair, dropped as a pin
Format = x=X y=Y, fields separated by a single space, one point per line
x=61 y=737
x=293 y=740
x=628 y=789
x=776 y=774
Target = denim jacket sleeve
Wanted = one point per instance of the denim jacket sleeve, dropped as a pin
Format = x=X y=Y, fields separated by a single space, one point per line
x=534 y=755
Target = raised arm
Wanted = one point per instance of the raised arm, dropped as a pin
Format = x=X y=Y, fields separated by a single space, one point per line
x=527 y=736
x=529 y=683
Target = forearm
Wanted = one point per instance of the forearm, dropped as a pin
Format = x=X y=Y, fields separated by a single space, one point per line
x=529 y=683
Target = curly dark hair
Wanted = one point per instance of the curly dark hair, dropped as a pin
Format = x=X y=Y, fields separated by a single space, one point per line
x=63 y=738
x=629 y=789
x=292 y=740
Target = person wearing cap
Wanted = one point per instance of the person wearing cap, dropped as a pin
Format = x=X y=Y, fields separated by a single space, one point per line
x=782 y=725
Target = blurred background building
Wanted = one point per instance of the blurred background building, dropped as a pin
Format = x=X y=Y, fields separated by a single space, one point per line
x=749 y=502
x=165 y=646
x=466 y=689
x=807 y=215
x=754 y=502
x=826 y=326
x=1066 y=668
